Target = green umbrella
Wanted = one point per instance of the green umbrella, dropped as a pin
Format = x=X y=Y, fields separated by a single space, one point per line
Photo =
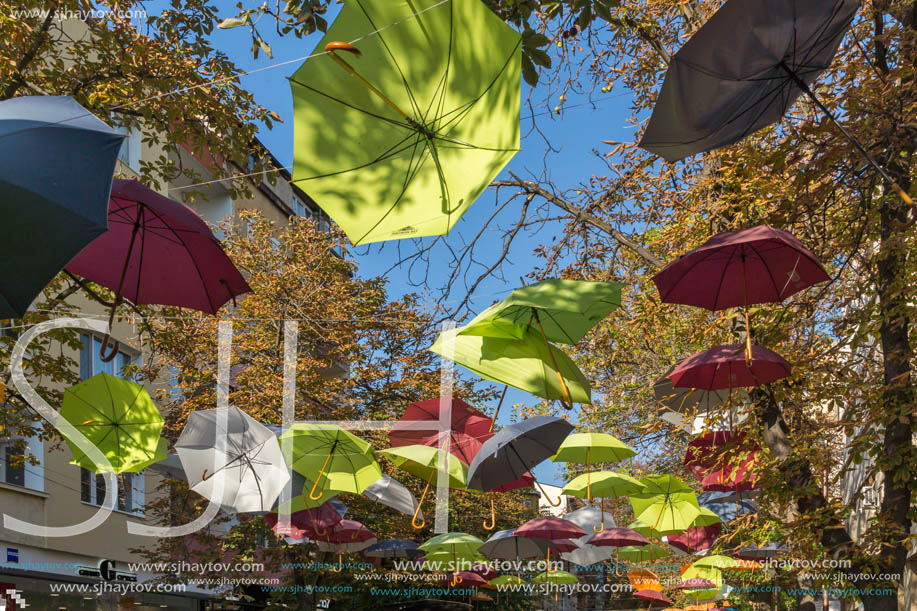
x=644 y=529
x=706 y=517
x=709 y=573
x=337 y=460
x=454 y=546
x=556 y=577
x=717 y=561
x=506 y=580
x=161 y=453
x=527 y=364
x=602 y=484
x=667 y=504
x=587 y=448
x=400 y=142
x=118 y=417
x=561 y=310
x=423 y=461
x=642 y=553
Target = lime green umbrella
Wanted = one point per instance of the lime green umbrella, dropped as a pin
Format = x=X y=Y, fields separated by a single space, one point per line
x=644 y=529
x=588 y=448
x=527 y=364
x=717 y=561
x=333 y=459
x=642 y=553
x=455 y=543
x=560 y=310
x=602 y=484
x=423 y=461
x=556 y=577
x=118 y=417
x=709 y=573
x=667 y=504
x=706 y=517
x=162 y=453
x=506 y=580
x=399 y=139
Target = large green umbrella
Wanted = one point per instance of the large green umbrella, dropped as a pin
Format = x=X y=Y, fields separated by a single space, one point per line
x=400 y=138
x=527 y=364
x=555 y=577
x=455 y=547
x=667 y=504
x=588 y=448
x=642 y=553
x=335 y=460
x=161 y=453
x=602 y=484
x=561 y=310
x=119 y=417
x=424 y=461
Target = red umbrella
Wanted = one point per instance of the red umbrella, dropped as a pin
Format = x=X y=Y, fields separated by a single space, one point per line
x=707 y=458
x=158 y=251
x=469 y=427
x=695 y=584
x=696 y=538
x=551 y=529
x=655 y=598
x=345 y=531
x=562 y=546
x=618 y=537
x=725 y=367
x=306 y=522
x=740 y=268
x=526 y=481
x=485 y=571
x=469 y=578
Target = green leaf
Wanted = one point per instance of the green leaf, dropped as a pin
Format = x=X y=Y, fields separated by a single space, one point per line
x=266 y=48
x=533 y=40
x=529 y=71
x=540 y=57
x=231 y=22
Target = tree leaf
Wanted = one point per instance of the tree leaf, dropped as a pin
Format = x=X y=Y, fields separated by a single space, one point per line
x=529 y=71
x=231 y=22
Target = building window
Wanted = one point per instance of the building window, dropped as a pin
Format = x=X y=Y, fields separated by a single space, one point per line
x=92 y=485
x=14 y=467
x=129 y=153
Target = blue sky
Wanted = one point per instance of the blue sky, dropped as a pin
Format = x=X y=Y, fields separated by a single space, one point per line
x=574 y=136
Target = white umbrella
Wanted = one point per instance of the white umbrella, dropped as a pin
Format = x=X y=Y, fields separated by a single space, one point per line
x=587 y=555
x=391 y=493
x=251 y=470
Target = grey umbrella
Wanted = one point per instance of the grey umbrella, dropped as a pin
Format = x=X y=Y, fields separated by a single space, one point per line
x=55 y=180
x=743 y=70
x=393 y=548
x=589 y=518
x=727 y=505
x=390 y=492
x=684 y=400
x=516 y=449
x=505 y=545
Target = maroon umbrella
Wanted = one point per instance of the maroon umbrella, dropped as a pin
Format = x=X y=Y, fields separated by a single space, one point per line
x=712 y=459
x=618 y=537
x=526 y=481
x=738 y=269
x=562 y=546
x=345 y=531
x=307 y=522
x=551 y=529
x=485 y=571
x=655 y=598
x=469 y=578
x=726 y=367
x=695 y=584
x=469 y=427
x=158 y=251
x=696 y=538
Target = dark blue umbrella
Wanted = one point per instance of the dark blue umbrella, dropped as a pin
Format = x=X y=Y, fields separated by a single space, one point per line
x=728 y=505
x=393 y=548
x=55 y=180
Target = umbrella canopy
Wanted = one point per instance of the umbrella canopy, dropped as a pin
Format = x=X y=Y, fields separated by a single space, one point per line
x=550 y=528
x=506 y=545
x=686 y=400
x=711 y=457
x=158 y=251
x=706 y=517
x=301 y=501
x=556 y=578
x=726 y=367
x=118 y=417
x=469 y=428
x=424 y=461
x=456 y=543
x=562 y=546
x=527 y=364
x=644 y=529
x=338 y=460
x=619 y=537
x=741 y=71
x=427 y=116
x=161 y=454
x=588 y=448
x=393 y=548
x=753 y=551
x=506 y=580
x=667 y=504
x=695 y=584
x=717 y=561
x=696 y=538
x=515 y=449
x=469 y=579
x=390 y=492
x=605 y=484
x=728 y=506
x=740 y=268
x=642 y=553
x=306 y=522
x=561 y=310
x=250 y=470
x=655 y=598
x=589 y=519
x=58 y=161
x=345 y=531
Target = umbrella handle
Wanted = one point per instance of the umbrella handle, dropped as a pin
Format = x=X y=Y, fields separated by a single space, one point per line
x=331 y=47
x=547 y=563
x=545 y=495
x=493 y=420
x=455 y=580
x=417 y=511
x=567 y=400
x=204 y=476
x=340 y=564
x=602 y=511
x=317 y=480
x=105 y=340
x=493 y=514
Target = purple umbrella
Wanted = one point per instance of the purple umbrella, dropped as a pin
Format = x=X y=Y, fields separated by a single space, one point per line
x=158 y=251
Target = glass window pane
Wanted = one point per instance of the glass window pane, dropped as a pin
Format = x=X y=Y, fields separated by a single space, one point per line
x=85 y=485
x=15 y=467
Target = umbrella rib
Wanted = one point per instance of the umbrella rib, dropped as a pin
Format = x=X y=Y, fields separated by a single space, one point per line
x=103 y=414
x=441 y=86
x=719 y=286
x=391 y=152
x=406 y=126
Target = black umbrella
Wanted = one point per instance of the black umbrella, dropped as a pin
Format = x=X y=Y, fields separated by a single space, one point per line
x=505 y=545
x=58 y=163
x=516 y=449
x=743 y=70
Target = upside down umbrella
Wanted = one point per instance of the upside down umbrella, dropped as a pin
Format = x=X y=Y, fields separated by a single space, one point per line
x=251 y=471
x=468 y=428
x=158 y=251
x=726 y=367
x=399 y=139
x=58 y=162
x=527 y=364
x=338 y=461
x=424 y=462
x=743 y=70
x=119 y=417
x=667 y=504
x=390 y=492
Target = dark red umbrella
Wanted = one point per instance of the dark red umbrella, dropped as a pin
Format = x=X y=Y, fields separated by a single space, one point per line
x=469 y=427
x=158 y=251
x=315 y=520
x=655 y=598
x=562 y=546
x=618 y=537
x=485 y=571
x=695 y=584
x=469 y=578
x=345 y=531
x=551 y=529
x=526 y=481
x=696 y=538
x=726 y=367
x=712 y=459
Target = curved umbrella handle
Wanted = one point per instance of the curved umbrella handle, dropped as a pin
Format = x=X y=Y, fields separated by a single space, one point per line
x=602 y=511
x=455 y=580
x=340 y=564
x=545 y=495
x=493 y=514
x=317 y=480
x=422 y=523
x=204 y=476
